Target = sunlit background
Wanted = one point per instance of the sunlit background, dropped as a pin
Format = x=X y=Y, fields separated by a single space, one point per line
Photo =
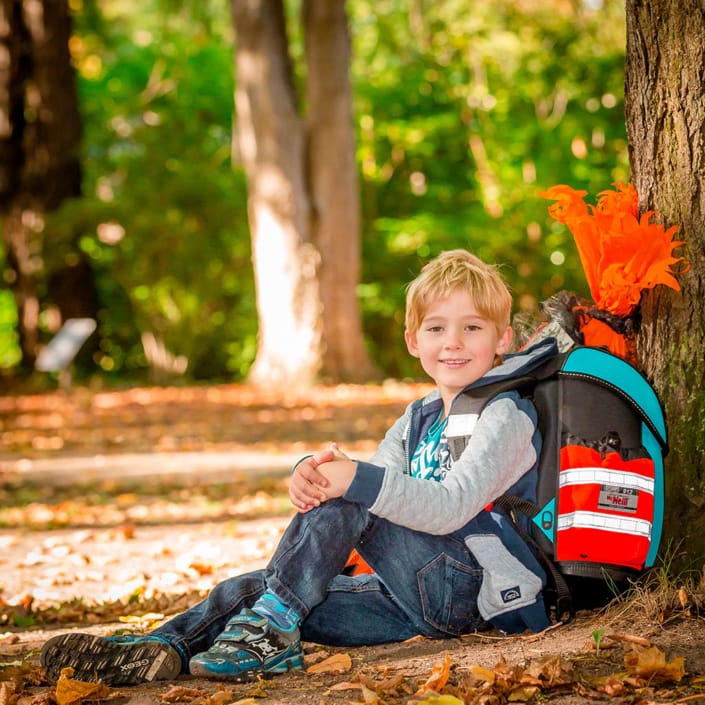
x=462 y=115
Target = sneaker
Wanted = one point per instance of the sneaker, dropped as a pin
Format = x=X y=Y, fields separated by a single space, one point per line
x=113 y=660
x=249 y=645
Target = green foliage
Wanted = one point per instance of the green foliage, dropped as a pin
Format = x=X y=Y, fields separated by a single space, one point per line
x=163 y=219
x=462 y=117
x=9 y=344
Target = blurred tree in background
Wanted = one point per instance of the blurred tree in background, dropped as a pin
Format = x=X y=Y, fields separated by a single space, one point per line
x=40 y=132
x=303 y=194
x=461 y=115
x=164 y=220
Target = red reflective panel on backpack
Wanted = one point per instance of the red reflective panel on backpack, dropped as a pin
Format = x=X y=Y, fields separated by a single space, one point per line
x=605 y=508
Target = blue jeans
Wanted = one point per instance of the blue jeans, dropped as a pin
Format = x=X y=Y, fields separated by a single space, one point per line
x=424 y=584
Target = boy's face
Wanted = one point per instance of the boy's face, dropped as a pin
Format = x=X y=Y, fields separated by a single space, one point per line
x=456 y=344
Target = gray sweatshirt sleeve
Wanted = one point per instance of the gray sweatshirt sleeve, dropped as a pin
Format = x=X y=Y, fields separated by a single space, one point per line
x=390 y=454
x=500 y=451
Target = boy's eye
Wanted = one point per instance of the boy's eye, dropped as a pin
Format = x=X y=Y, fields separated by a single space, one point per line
x=473 y=326
x=434 y=329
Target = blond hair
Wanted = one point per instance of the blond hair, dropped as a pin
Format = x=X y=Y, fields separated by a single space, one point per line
x=453 y=270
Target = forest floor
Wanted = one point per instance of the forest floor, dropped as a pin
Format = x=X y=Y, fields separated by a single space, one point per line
x=119 y=509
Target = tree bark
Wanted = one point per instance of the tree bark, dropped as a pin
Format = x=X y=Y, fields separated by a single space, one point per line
x=40 y=132
x=334 y=188
x=302 y=196
x=271 y=144
x=665 y=113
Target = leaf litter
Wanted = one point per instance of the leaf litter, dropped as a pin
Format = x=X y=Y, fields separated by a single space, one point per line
x=645 y=670
x=70 y=548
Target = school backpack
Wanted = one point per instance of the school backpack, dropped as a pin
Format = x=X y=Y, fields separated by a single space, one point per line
x=600 y=490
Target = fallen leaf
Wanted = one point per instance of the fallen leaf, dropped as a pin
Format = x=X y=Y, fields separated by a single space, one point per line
x=202 y=568
x=651 y=664
x=127 y=530
x=346 y=685
x=44 y=698
x=7 y=694
x=258 y=689
x=414 y=639
x=221 y=697
x=523 y=693
x=19 y=671
x=72 y=692
x=438 y=678
x=613 y=687
x=547 y=673
x=385 y=685
x=369 y=696
x=482 y=674
x=315 y=657
x=337 y=663
x=683 y=597
x=179 y=693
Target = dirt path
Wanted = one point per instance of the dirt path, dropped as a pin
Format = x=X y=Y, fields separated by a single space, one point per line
x=168 y=563
x=124 y=508
x=409 y=665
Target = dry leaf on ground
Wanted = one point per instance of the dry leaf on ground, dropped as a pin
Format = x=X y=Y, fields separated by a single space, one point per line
x=338 y=663
x=71 y=692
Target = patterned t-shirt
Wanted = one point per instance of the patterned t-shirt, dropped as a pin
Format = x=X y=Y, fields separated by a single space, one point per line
x=431 y=459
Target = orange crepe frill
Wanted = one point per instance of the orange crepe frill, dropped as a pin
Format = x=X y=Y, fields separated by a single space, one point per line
x=621 y=254
x=597 y=334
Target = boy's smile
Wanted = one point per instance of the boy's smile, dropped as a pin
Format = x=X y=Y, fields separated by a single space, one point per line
x=456 y=344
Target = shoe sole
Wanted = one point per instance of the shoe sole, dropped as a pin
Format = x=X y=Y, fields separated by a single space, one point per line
x=293 y=663
x=95 y=659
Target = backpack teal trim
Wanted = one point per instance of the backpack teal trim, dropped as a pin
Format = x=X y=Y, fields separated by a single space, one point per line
x=629 y=383
x=649 y=442
x=546 y=520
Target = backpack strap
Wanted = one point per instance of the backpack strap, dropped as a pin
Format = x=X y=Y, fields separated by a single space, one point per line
x=511 y=504
x=465 y=410
x=468 y=405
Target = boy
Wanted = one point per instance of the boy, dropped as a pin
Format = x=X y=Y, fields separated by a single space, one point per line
x=445 y=564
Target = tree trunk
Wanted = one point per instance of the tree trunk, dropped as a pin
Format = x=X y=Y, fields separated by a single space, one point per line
x=302 y=197
x=665 y=112
x=271 y=140
x=334 y=187
x=40 y=131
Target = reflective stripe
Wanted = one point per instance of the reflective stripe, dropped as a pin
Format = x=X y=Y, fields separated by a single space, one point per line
x=604 y=522
x=605 y=476
x=461 y=425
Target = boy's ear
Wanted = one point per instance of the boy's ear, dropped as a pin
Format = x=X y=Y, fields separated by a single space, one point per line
x=505 y=341
x=411 y=344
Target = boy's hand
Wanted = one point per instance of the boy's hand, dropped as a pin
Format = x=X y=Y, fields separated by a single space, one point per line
x=339 y=473
x=337 y=453
x=307 y=483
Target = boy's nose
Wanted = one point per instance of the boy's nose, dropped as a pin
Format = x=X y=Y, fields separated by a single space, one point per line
x=452 y=340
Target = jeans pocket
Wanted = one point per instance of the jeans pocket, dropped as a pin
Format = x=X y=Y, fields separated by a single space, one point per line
x=449 y=591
